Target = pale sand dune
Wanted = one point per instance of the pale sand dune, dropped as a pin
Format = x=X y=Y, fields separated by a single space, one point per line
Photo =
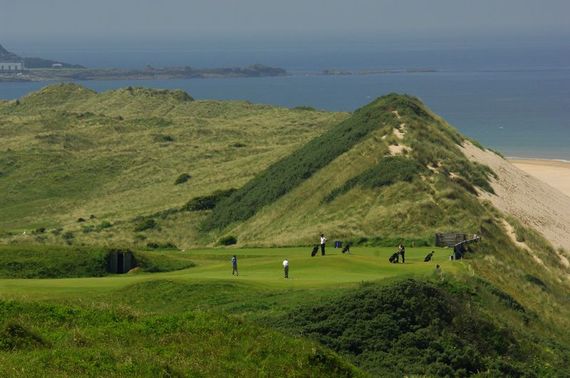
x=532 y=201
x=554 y=173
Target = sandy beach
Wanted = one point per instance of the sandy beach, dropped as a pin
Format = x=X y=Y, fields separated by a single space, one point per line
x=553 y=172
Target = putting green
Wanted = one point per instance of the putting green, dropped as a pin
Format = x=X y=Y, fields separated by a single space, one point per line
x=257 y=267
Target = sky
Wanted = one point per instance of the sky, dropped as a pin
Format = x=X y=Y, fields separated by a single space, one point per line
x=25 y=20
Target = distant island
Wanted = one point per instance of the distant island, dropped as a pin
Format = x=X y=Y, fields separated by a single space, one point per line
x=16 y=68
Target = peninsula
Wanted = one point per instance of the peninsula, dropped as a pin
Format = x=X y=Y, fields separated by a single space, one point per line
x=15 y=68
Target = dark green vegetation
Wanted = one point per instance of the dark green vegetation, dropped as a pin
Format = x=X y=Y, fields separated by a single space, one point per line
x=207 y=202
x=416 y=328
x=228 y=240
x=182 y=179
x=61 y=262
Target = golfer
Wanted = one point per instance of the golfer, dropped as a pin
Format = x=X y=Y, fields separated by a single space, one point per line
x=323 y=242
x=234 y=266
x=286 y=268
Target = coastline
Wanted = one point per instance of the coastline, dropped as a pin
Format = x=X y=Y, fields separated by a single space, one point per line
x=554 y=172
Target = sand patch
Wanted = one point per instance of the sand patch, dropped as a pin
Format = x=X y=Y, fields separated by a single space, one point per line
x=397 y=149
x=522 y=245
x=399 y=133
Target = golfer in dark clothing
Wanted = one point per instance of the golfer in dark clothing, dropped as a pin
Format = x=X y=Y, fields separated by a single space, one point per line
x=323 y=242
x=402 y=251
x=234 y=266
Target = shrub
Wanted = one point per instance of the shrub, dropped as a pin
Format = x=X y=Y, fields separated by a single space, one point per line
x=39 y=230
x=228 y=240
x=410 y=328
x=238 y=145
x=15 y=337
x=88 y=229
x=68 y=236
x=80 y=220
x=304 y=108
x=535 y=280
x=207 y=202
x=167 y=245
x=103 y=225
x=146 y=224
x=182 y=179
x=161 y=138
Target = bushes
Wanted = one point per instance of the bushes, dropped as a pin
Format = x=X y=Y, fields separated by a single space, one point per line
x=68 y=236
x=146 y=224
x=207 y=202
x=162 y=138
x=167 y=245
x=51 y=262
x=182 y=179
x=15 y=337
x=103 y=225
x=411 y=328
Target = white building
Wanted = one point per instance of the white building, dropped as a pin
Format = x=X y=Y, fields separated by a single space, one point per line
x=11 y=66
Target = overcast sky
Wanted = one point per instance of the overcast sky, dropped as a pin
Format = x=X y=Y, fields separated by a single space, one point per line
x=121 y=19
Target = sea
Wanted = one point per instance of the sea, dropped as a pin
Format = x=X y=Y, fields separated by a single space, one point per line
x=510 y=95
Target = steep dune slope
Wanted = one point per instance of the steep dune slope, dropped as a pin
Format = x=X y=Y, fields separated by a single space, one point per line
x=526 y=198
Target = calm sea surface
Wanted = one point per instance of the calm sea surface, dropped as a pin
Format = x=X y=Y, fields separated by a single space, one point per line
x=517 y=102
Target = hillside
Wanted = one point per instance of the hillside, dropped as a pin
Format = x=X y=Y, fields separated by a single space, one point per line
x=70 y=153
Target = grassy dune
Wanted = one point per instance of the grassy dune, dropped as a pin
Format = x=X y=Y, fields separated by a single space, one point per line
x=68 y=153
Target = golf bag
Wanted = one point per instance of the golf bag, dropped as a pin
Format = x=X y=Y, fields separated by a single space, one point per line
x=394 y=258
x=315 y=250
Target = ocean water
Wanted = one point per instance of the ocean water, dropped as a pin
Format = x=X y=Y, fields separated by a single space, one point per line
x=515 y=100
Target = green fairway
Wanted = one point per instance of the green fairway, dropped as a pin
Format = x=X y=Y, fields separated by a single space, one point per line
x=258 y=267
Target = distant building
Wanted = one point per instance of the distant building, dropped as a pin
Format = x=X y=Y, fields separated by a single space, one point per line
x=57 y=65
x=11 y=67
